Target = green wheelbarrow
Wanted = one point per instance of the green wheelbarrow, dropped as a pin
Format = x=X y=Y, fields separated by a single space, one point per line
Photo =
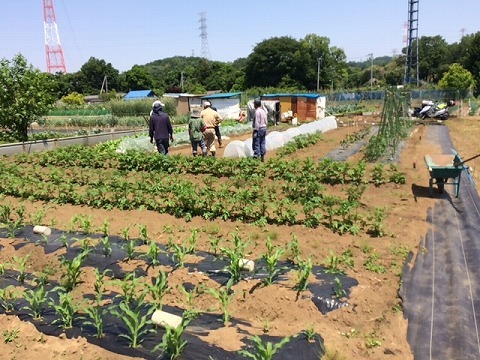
x=444 y=169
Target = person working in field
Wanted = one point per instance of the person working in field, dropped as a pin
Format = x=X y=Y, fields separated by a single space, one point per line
x=259 y=131
x=160 y=128
x=196 y=127
x=218 y=134
x=211 y=118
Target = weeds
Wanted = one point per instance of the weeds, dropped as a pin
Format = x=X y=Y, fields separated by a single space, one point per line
x=10 y=335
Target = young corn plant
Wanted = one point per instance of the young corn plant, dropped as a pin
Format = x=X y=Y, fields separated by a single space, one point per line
x=66 y=308
x=333 y=262
x=12 y=225
x=36 y=299
x=20 y=265
x=303 y=274
x=225 y=296
x=8 y=297
x=339 y=290
x=214 y=244
x=94 y=317
x=137 y=321
x=172 y=344
x=129 y=248
x=44 y=276
x=192 y=242
x=153 y=253
x=105 y=228
x=190 y=297
x=129 y=285
x=106 y=246
x=99 y=284
x=82 y=222
x=72 y=270
x=158 y=288
x=143 y=233
x=271 y=258
x=180 y=252
x=294 y=250
x=126 y=233
x=263 y=351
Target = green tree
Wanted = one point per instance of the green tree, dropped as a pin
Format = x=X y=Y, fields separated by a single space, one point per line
x=138 y=78
x=91 y=76
x=73 y=98
x=433 y=53
x=472 y=60
x=25 y=94
x=457 y=77
x=273 y=59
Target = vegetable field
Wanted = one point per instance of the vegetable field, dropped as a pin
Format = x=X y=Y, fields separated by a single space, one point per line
x=137 y=233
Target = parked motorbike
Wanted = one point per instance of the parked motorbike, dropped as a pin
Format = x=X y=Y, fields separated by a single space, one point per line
x=433 y=110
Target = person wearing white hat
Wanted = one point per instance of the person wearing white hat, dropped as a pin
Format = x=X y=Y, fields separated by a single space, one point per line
x=160 y=127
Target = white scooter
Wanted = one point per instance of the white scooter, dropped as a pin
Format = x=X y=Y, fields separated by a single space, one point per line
x=433 y=110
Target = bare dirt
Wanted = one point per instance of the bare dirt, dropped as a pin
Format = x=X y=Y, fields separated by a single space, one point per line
x=371 y=327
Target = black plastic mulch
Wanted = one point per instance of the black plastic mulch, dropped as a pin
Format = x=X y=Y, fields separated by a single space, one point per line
x=441 y=292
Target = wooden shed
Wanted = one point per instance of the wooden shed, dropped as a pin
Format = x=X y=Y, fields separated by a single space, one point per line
x=308 y=107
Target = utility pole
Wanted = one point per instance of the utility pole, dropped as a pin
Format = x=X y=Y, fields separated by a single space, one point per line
x=371 y=70
x=318 y=74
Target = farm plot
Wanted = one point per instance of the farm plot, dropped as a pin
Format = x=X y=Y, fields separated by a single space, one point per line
x=139 y=233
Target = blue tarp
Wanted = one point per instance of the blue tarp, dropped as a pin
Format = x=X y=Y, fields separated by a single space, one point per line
x=222 y=95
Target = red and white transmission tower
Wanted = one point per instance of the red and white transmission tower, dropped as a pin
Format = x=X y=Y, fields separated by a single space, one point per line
x=53 y=47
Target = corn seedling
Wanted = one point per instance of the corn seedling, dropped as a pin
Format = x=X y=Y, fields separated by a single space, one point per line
x=192 y=242
x=126 y=233
x=72 y=270
x=36 y=299
x=21 y=266
x=303 y=274
x=179 y=254
x=214 y=243
x=38 y=216
x=129 y=248
x=99 y=284
x=85 y=244
x=63 y=240
x=8 y=296
x=172 y=344
x=129 y=285
x=2 y=269
x=263 y=351
x=190 y=296
x=138 y=324
x=158 y=288
x=66 y=308
x=143 y=234
x=294 y=249
x=271 y=258
x=310 y=333
x=106 y=246
x=14 y=225
x=96 y=314
x=105 y=228
x=44 y=276
x=153 y=253
x=81 y=222
x=339 y=290
x=225 y=296
x=332 y=264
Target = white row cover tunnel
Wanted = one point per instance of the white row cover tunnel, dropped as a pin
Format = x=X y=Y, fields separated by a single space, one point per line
x=277 y=139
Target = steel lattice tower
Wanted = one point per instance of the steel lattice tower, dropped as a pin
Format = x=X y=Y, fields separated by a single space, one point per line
x=53 y=47
x=411 y=58
x=204 y=36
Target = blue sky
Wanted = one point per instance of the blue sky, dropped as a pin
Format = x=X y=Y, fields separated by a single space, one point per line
x=125 y=33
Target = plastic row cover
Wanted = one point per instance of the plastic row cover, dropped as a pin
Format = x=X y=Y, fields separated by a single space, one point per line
x=276 y=139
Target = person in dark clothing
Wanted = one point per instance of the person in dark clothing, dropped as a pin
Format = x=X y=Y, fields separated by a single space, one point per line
x=217 y=130
x=160 y=128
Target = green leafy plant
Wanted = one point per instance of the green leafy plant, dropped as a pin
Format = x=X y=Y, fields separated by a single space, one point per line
x=137 y=321
x=263 y=351
x=100 y=283
x=338 y=289
x=36 y=299
x=191 y=295
x=372 y=264
x=225 y=296
x=143 y=233
x=271 y=257
x=6 y=217
x=8 y=297
x=106 y=246
x=172 y=344
x=378 y=175
x=20 y=265
x=130 y=285
x=66 y=308
x=72 y=270
x=82 y=222
x=377 y=227
x=332 y=266
x=129 y=248
x=294 y=248
x=214 y=243
x=303 y=274
x=153 y=253
x=95 y=316
x=10 y=335
x=310 y=333
x=158 y=288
